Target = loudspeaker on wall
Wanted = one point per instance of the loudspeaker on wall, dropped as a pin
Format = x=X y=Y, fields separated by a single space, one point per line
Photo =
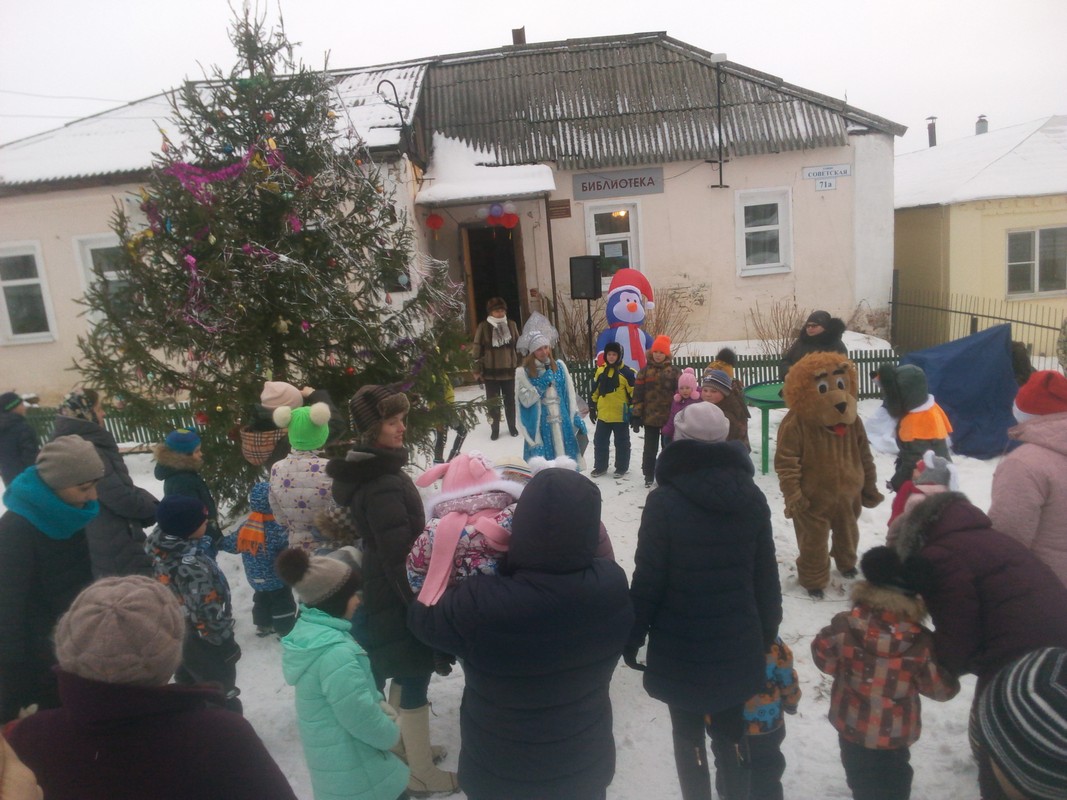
x=585 y=277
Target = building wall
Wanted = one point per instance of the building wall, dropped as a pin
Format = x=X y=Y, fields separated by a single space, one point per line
x=921 y=251
x=54 y=221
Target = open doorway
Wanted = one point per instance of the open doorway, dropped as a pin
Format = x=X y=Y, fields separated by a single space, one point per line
x=494 y=269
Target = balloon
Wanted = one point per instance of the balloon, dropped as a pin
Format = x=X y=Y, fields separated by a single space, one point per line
x=493 y=219
x=510 y=208
x=509 y=221
x=434 y=222
x=496 y=210
x=482 y=212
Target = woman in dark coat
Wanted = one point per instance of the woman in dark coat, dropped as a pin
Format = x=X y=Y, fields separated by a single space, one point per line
x=990 y=598
x=123 y=730
x=539 y=643
x=821 y=333
x=706 y=592
x=44 y=563
x=116 y=536
x=388 y=514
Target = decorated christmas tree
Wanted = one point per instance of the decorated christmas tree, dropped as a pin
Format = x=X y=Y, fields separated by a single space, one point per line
x=269 y=249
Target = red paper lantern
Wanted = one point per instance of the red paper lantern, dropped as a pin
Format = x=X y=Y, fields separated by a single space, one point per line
x=493 y=220
x=509 y=221
x=434 y=222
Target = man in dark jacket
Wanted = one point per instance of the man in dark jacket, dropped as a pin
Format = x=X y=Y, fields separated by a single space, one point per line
x=821 y=334
x=706 y=592
x=539 y=644
x=18 y=442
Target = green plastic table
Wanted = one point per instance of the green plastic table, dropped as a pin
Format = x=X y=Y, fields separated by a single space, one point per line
x=765 y=396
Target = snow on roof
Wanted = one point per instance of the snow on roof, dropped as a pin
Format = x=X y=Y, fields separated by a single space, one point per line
x=460 y=173
x=124 y=139
x=1022 y=160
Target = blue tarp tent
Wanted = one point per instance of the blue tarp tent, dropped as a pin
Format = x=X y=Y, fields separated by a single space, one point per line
x=972 y=379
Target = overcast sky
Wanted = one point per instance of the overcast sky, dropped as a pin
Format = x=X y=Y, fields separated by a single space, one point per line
x=904 y=60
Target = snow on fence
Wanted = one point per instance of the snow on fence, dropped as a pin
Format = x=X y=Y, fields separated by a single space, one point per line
x=130 y=437
x=754 y=369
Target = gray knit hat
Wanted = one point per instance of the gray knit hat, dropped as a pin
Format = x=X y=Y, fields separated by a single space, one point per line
x=315 y=578
x=1022 y=723
x=126 y=630
x=703 y=422
x=68 y=461
x=372 y=404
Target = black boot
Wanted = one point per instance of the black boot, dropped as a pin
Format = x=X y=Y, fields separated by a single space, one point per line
x=461 y=434
x=733 y=769
x=494 y=430
x=509 y=414
x=439 y=446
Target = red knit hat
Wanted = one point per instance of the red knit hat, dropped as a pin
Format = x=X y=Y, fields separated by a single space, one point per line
x=661 y=344
x=1044 y=393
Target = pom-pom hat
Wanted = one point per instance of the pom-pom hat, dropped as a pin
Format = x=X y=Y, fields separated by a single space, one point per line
x=126 y=630
x=688 y=378
x=628 y=278
x=320 y=581
x=307 y=426
x=1044 y=393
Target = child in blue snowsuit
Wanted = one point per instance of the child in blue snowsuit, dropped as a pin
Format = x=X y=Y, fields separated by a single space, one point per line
x=259 y=541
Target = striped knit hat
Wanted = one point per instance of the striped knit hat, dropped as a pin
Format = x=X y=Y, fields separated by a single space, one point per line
x=1022 y=723
x=371 y=405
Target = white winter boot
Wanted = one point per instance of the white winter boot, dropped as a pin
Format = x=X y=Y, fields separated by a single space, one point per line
x=426 y=779
x=439 y=751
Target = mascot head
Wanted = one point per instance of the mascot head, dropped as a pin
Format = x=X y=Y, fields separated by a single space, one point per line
x=822 y=388
x=624 y=302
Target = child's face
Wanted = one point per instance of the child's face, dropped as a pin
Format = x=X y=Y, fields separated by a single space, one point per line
x=710 y=394
x=659 y=357
x=611 y=357
x=198 y=455
x=685 y=392
x=499 y=313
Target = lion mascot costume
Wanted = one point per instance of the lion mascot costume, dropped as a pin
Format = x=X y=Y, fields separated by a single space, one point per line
x=824 y=465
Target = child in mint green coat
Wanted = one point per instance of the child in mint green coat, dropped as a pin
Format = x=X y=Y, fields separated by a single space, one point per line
x=346 y=726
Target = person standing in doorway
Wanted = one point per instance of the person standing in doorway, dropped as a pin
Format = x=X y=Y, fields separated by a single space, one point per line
x=496 y=360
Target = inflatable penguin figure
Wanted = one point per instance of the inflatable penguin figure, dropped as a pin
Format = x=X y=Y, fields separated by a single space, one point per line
x=629 y=296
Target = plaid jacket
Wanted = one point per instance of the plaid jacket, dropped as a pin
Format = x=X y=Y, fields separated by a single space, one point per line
x=882 y=660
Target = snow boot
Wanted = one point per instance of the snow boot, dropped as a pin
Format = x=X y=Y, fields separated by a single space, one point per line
x=494 y=430
x=692 y=765
x=439 y=752
x=426 y=779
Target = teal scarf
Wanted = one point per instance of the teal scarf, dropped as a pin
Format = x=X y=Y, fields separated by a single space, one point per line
x=32 y=498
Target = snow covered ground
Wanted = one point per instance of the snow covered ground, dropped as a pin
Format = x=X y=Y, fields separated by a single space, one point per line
x=645 y=765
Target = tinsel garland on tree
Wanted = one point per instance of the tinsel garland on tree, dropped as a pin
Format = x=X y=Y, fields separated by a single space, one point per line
x=270 y=250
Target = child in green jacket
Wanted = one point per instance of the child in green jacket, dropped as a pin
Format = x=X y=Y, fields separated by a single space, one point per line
x=346 y=726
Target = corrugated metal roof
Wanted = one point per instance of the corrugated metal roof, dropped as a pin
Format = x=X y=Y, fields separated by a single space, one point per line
x=122 y=141
x=637 y=99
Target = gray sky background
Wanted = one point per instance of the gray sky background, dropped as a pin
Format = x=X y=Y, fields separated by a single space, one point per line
x=903 y=60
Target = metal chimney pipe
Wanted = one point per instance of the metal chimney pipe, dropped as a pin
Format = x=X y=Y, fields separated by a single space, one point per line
x=981 y=126
x=518 y=35
x=931 y=130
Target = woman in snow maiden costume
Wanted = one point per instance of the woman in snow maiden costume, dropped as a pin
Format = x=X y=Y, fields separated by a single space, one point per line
x=346 y=726
x=539 y=644
x=44 y=563
x=625 y=310
x=706 y=593
x=547 y=404
x=388 y=512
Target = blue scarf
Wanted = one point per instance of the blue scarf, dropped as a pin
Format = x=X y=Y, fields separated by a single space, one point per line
x=32 y=498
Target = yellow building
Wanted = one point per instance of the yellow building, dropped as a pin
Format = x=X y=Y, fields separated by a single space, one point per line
x=981 y=227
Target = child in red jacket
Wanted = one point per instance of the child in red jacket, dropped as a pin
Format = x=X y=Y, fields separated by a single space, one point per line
x=881 y=658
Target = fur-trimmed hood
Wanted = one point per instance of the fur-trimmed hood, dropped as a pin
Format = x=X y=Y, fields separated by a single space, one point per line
x=935 y=516
x=170 y=461
x=908 y=607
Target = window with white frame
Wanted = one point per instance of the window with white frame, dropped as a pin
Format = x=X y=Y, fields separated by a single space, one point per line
x=25 y=315
x=1037 y=261
x=612 y=233
x=764 y=243
x=101 y=258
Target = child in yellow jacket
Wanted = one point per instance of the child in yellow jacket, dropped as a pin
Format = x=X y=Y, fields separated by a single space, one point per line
x=609 y=407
